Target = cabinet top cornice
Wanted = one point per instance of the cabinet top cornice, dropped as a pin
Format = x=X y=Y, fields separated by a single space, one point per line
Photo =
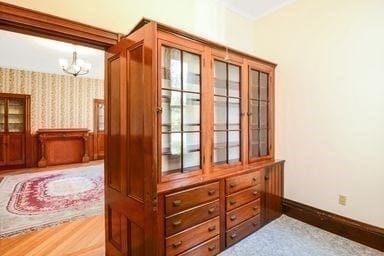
x=182 y=33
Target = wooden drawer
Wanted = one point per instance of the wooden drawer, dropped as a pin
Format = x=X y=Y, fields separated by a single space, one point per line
x=191 y=217
x=237 y=183
x=242 y=197
x=189 y=198
x=242 y=213
x=192 y=237
x=209 y=248
x=244 y=229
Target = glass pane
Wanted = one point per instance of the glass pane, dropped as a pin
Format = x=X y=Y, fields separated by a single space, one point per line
x=171 y=67
x=254 y=143
x=191 y=72
x=171 y=152
x=220 y=147
x=254 y=118
x=263 y=86
x=191 y=157
x=191 y=115
x=263 y=114
x=234 y=154
x=234 y=146
x=234 y=114
x=254 y=90
x=220 y=113
x=101 y=117
x=234 y=80
x=234 y=139
x=220 y=75
x=263 y=142
x=171 y=114
x=15 y=115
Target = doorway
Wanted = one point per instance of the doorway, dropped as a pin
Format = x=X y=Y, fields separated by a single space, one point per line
x=52 y=147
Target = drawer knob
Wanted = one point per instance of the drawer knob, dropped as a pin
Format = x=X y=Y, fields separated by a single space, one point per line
x=175 y=245
x=211 y=248
x=176 y=223
x=212 y=210
x=233 y=236
x=255 y=193
x=255 y=208
x=232 y=202
x=233 y=217
x=232 y=184
x=254 y=224
x=211 y=192
x=254 y=179
x=176 y=202
x=211 y=228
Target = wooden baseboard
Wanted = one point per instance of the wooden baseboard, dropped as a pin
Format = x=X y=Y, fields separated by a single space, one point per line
x=354 y=230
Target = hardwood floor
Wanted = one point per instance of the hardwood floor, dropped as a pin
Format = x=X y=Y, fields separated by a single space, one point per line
x=4 y=173
x=79 y=238
x=83 y=237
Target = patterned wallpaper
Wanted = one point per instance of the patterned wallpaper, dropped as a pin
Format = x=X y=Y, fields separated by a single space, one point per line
x=57 y=101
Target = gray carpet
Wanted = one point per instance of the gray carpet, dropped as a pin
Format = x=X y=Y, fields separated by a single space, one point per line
x=289 y=237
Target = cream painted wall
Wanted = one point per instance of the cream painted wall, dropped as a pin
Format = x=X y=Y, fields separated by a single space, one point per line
x=330 y=102
x=206 y=18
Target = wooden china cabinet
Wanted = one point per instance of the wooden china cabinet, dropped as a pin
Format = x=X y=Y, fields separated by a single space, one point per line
x=14 y=128
x=190 y=166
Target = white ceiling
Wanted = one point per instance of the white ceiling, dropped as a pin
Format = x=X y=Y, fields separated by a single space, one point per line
x=254 y=9
x=25 y=52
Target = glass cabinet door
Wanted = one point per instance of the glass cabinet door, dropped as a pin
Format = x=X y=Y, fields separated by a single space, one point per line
x=2 y=115
x=16 y=115
x=259 y=126
x=181 y=110
x=226 y=124
x=100 y=117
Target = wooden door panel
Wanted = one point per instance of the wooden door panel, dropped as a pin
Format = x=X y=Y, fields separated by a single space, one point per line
x=15 y=149
x=129 y=135
x=100 y=145
x=273 y=192
x=2 y=150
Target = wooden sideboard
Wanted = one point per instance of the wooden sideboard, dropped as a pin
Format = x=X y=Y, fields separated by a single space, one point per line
x=63 y=146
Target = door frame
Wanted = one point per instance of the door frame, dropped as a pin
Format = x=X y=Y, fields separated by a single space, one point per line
x=26 y=21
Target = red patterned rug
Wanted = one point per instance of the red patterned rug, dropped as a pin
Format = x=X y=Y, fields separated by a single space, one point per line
x=30 y=202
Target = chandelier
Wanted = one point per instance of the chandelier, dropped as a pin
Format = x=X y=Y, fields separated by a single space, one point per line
x=77 y=67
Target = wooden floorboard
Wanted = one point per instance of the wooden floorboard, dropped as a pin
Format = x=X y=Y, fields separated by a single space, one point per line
x=83 y=237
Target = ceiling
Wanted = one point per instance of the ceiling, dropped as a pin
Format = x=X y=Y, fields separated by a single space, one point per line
x=254 y=9
x=25 y=52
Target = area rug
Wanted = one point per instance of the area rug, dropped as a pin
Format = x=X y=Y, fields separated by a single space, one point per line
x=30 y=202
x=289 y=237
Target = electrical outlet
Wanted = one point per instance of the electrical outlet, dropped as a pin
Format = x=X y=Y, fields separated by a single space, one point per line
x=342 y=200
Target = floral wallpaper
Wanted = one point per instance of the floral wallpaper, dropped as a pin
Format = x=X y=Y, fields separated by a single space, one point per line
x=57 y=101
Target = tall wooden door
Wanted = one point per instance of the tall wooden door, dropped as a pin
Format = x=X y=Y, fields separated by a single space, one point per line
x=130 y=176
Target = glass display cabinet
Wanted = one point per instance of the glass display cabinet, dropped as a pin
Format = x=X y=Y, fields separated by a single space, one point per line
x=190 y=167
x=14 y=127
